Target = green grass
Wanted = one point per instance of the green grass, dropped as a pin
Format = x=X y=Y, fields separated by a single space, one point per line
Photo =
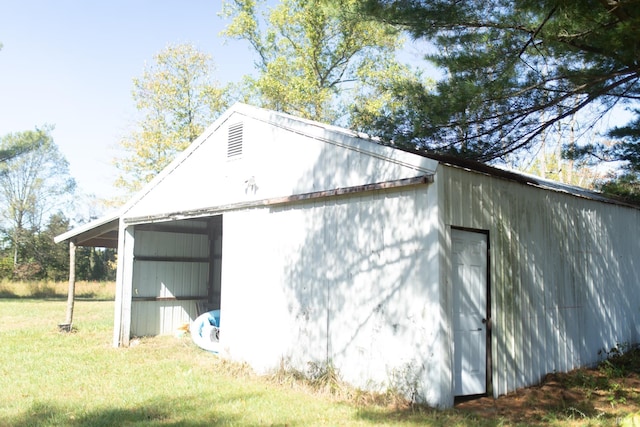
x=50 y=378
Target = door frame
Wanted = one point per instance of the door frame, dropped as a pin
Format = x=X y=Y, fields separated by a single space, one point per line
x=489 y=314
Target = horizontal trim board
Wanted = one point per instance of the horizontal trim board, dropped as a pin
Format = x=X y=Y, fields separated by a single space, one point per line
x=379 y=186
x=188 y=298
x=170 y=258
x=99 y=242
x=169 y=229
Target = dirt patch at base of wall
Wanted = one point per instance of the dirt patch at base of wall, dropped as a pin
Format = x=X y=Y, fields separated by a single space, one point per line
x=581 y=395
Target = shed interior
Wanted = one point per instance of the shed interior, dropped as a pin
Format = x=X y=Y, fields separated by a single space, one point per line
x=176 y=273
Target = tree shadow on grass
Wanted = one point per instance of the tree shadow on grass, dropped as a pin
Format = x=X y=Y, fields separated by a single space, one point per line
x=48 y=296
x=4 y=293
x=47 y=414
x=154 y=412
x=40 y=292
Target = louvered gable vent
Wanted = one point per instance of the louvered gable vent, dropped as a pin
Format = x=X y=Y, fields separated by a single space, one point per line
x=234 y=143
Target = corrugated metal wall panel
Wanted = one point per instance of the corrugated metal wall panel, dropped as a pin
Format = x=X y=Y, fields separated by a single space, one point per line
x=170 y=279
x=165 y=244
x=150 y=318
x=166 y=278
x=561 y=281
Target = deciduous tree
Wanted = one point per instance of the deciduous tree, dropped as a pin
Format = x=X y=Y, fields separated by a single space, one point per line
x=315 y=59
x=32 y=186
x=53 y=259
x=12 y=146
x=177 y=97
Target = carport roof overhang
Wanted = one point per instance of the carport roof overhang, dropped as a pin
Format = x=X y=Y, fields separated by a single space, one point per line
x=100 y=233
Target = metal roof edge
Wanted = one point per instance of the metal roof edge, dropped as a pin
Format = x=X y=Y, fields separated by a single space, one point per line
x=91 y=225
x=339 y=136
x=529 y=179
x=517 y=176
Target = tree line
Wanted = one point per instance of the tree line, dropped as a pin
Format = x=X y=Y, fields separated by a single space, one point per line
x=35 y=188
x=522 y=83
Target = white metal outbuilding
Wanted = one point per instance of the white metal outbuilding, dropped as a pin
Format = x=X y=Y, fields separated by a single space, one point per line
x=440 y=277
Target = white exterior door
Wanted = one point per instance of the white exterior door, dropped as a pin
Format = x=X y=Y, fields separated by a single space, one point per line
x=469 y=282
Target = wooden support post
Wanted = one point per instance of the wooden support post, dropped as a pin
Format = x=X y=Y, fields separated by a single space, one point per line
x=66 y=326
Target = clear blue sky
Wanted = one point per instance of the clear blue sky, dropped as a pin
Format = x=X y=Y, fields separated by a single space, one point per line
x=70 y=63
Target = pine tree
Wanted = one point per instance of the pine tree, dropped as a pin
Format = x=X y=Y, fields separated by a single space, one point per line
x=514 y=69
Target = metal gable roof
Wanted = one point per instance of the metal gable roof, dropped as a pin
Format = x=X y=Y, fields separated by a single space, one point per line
x=100 y=233
x=528 y=179
x=204 y=175
x=103 y=232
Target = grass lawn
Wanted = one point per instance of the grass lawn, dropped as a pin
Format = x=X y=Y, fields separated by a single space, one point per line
x=50 y=378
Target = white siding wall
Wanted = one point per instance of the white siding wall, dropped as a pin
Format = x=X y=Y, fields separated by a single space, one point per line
x=352 y=281
x=280 y=160
x=564 y=272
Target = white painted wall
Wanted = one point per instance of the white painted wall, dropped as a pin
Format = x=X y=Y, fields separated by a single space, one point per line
x=352 y=281
x=564 y=272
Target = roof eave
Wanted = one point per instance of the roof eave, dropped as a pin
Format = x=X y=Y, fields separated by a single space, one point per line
x=97 y=233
